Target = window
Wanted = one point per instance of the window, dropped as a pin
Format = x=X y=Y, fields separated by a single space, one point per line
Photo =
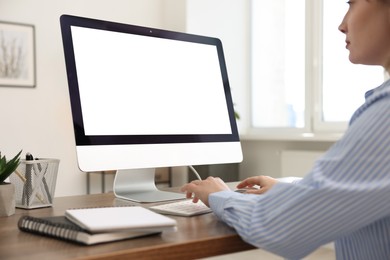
x=343 y=84
x=302 y=79
x=278 y=63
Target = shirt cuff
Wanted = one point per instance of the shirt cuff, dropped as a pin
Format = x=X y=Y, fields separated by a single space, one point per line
x=217 y=201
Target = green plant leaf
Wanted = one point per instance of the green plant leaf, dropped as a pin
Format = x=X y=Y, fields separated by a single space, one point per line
x=7 y=168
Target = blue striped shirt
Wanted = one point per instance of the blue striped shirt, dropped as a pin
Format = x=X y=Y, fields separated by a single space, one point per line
x=345 y=197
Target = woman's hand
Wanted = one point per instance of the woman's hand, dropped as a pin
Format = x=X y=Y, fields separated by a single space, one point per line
x=265 y=183
x=200 y=190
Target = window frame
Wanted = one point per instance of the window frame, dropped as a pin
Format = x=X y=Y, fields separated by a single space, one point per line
x=315 y=128
x=316 y=43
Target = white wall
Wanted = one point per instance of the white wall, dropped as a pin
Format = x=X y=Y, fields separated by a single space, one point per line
x=265 y=157
x=229 y=21
x=38 y=120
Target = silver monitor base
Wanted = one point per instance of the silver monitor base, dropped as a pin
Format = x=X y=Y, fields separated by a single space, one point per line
x=138 y=185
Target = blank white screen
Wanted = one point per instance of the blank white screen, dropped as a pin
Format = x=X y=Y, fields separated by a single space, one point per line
x=139 y=85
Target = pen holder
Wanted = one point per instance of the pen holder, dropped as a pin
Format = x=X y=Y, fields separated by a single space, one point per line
x=35 y=182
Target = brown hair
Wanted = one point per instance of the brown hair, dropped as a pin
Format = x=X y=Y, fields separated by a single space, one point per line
x=381 y=1
x=384 y=1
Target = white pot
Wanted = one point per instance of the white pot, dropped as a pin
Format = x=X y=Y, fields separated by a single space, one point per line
x=7 y=199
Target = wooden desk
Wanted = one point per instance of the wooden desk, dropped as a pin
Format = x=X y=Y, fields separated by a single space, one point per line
x=196 y=237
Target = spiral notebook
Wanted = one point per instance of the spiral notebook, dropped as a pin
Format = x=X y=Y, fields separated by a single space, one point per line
x=61 y=227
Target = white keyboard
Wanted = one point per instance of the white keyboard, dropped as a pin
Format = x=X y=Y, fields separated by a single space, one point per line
x=182 y=208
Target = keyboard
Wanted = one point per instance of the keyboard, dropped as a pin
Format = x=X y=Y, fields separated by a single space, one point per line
x=182 y=208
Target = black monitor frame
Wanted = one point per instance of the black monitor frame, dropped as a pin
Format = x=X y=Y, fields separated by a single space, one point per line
x=67 y=21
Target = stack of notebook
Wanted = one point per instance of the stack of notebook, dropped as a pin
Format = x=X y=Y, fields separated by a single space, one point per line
x=98 y=225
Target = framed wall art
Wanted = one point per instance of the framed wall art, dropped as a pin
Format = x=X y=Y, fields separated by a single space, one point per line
x=17 y=55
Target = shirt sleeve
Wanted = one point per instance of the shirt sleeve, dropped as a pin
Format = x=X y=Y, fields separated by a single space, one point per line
x=347 y=189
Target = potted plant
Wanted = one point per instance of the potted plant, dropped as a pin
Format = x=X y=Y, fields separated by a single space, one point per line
x=7 y=190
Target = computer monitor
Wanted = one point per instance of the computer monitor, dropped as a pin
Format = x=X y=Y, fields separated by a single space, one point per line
x=143 y=98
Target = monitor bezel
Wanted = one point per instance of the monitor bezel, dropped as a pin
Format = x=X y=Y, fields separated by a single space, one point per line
x=67 y=21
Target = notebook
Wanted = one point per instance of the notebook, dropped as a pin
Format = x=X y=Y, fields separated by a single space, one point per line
x=61 y=228
x=99 y=225
x=108 y=219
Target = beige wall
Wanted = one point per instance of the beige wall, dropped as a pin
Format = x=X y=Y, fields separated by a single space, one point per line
x=38 y=120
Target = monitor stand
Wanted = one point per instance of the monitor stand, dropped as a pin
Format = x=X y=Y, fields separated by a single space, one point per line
x=138 y=185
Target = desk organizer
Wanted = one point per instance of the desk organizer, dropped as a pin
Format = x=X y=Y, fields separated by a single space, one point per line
x=35 y=182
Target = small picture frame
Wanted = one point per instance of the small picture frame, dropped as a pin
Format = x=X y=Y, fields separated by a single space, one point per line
x=17 y=55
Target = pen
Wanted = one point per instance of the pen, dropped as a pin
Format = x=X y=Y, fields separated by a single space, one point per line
x=46 y=187
x=27 y=189
x=24 y=181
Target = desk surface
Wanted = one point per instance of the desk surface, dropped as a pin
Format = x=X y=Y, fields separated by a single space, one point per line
x=196 y=237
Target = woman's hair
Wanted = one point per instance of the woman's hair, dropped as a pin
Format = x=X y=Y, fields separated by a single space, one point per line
x=386 y=2
x=387 y=66
x=381 y=1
